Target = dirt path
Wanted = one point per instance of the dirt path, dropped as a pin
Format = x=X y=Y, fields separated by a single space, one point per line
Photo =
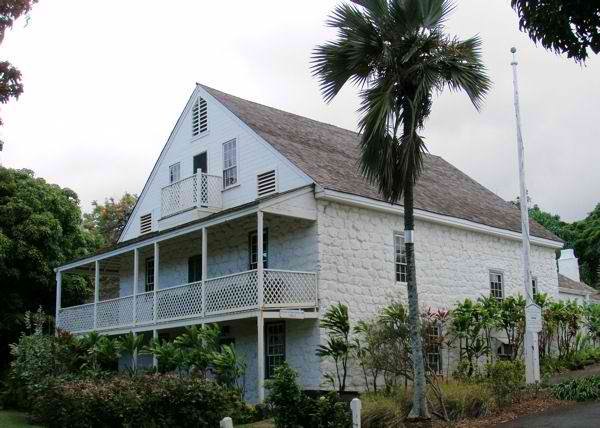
x=580 y=415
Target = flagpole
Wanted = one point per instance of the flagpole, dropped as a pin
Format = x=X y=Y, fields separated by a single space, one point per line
x=532 y=311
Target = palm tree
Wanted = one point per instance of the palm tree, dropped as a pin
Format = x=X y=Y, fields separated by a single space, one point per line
x=398 y=53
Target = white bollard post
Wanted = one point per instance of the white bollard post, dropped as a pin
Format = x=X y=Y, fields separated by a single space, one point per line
x=226 y=423
x=355 y=406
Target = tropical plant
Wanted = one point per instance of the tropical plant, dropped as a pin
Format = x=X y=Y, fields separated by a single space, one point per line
x=339 y=345
x=398 y=51
x=581 y=389
x=198 y=345
x=591 y=316
x=229 y=368
x=131 y=344
x=511 y=319
x=467 y=328
x=100 y=353
x=168 y=355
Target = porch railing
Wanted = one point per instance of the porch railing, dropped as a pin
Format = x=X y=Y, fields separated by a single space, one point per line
x=196 y=191
x=228 y=294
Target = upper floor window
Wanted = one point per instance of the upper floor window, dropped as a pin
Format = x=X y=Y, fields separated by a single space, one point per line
x=253 y=249
x=199 y=117
x=497 y=285
x=174 y=172
x=195 y=268
x=149 y=283
x=400 y=257
x=229 y=163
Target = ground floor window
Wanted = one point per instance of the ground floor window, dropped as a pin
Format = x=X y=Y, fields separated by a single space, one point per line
x=434 y=348
x=275 y=347
x=497 y=285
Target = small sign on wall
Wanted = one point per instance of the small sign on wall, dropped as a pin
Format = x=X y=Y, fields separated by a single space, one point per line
x=295 y=314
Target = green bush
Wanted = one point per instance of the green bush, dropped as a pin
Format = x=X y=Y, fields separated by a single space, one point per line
x=382 y=411
x=467 y=400
x=582 y=389
x=292 y=408
x=150 y=400
x=505 y=378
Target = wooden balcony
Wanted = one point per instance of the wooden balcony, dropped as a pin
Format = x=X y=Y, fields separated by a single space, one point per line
x=236 y=295
x=200 y=191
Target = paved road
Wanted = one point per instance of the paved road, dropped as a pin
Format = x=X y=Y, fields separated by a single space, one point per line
x=583 y=415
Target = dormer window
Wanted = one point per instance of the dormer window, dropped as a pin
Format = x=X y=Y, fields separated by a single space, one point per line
x=199 y=117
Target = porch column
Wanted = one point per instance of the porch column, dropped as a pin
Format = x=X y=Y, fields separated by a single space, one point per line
x=136 y=265
x=154 y=359
x=156 y=263
x=260 y=324
x=58 y=298
x=260 y=355
x=204 y=268
x=96 y=291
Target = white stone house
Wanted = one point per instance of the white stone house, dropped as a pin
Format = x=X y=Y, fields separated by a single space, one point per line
x=238 y=179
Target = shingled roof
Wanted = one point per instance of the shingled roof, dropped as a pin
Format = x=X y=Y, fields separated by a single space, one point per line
x=329 y=155
x=570 y=284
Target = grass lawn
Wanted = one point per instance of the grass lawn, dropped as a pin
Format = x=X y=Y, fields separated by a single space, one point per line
x=11 y=419
x=261 y=424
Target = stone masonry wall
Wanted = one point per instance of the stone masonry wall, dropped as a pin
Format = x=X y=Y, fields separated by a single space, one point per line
x=356 y=262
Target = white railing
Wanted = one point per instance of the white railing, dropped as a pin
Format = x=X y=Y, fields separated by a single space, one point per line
x=196 y=191
x=227 y=294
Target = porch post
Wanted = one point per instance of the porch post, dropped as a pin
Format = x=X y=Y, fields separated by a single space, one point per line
x=136 y=266
x=58 y=299
x=204 y=268
x=260 y=273
x=260 y=355
x=260 y=324
x=156 y=263
x=96 y=291
x=154 y=359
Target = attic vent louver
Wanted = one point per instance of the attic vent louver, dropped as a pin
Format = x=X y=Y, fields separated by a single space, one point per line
x=146 y=223
x=199 y=117
x=266 y=183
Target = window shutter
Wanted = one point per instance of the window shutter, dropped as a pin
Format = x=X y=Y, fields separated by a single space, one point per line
x=146 y=223
x=199 y=117
x=266 y=183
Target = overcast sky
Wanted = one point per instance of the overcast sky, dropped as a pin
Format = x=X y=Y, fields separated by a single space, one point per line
x=105 y=82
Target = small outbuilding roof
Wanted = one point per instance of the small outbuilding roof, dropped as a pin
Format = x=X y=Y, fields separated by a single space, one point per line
x=569 y=284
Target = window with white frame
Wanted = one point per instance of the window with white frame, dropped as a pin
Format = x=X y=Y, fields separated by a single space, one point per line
x=497 y=285
x=229 y=163
x=534 y=285
x=149 y=283
x=174 y=172
x=400 y=257
x=275 y=347
x=253 y=249
x=434 y=351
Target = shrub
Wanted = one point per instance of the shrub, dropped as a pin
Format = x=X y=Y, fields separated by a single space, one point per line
x=292 y=408
x=150 y=400
x=382 y=411
x=505 y=378
x=467 y=400
x=582 y=389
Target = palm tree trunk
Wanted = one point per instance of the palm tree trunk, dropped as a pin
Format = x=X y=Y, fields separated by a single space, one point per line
x=419 y=409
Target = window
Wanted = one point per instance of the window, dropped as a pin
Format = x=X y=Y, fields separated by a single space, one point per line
x=505 y=351
x=199 y=117
x=497 y=285
x=174 y=172
x=400 y=257
x=253 y=250
x=229 y=163
x=266 y=183
x=195 y=268
x=534 y=285
x=434 y=352
x=275 y=347
x=146 y=223
x=149 y=283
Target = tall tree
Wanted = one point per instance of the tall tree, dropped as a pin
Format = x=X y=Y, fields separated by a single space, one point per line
x=399 y=54
x=107 y=221
x=10 y=77
x=564 y=26
x=585 y=235
x=40 y=228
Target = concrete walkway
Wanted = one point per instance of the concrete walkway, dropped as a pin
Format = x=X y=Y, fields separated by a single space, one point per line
x=580 y=415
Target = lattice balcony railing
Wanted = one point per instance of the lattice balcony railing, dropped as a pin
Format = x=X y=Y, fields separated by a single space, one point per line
x=196 y=191
x=234 y=293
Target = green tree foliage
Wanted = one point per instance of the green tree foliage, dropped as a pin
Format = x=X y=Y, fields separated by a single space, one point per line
x=107 y=221
x=583 y=236
x=563 y=26
x=40 y=228
x=400 y=55
x=10 y=77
